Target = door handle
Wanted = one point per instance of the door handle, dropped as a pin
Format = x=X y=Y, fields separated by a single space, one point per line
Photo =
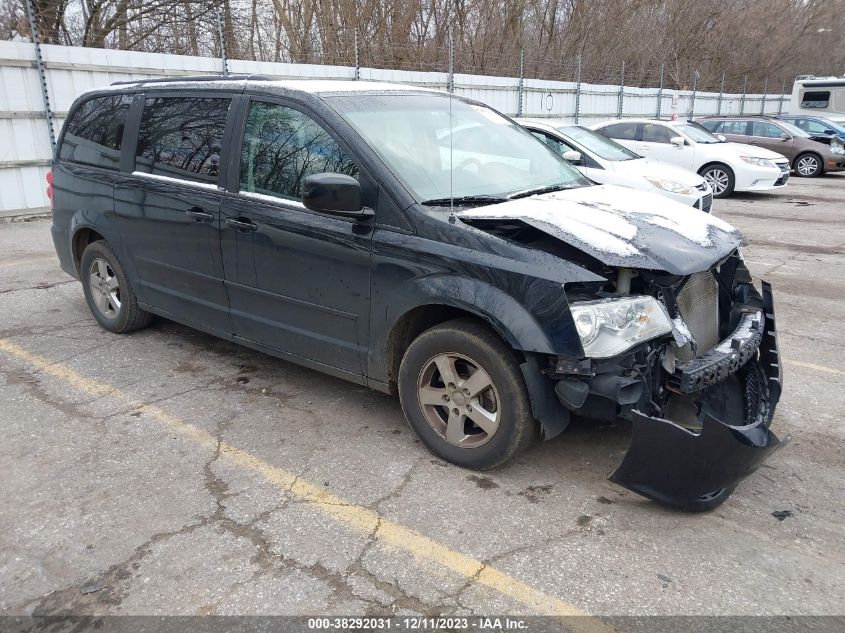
x=242 y=225
x=199 y=215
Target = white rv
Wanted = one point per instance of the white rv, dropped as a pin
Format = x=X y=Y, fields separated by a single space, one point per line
x=820 y=96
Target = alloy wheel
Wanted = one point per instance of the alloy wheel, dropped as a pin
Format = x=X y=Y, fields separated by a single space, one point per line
x=718 y=180
x=459 y=400
x=807 y=165
x=105 y=288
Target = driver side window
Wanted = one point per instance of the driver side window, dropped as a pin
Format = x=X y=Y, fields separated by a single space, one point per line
x=654 y=133
x=283 y=146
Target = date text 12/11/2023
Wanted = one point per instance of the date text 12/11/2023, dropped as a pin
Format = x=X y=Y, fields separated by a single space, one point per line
x=418 y=623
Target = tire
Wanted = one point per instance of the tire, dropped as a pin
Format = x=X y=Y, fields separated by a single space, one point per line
x=721 y=179
x=808 y=165
x=708 y=503
x=108 y=292
x=430 y=398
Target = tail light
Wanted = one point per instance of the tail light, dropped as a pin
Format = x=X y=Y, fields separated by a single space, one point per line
x=49 y=178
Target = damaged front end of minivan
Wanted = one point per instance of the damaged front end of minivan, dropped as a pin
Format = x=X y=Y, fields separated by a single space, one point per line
x=676 y=338
x=700 y=396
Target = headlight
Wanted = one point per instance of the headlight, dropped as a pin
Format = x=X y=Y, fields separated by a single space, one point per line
x=760 y=162
x=668 y=185
x=837 y=147
x=608 y=327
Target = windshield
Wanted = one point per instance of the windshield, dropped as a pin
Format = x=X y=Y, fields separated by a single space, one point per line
x=445 y=148
x=793 y=129
x=697 y=132
x=598 y=144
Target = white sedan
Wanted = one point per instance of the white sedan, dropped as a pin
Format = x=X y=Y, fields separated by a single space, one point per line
x=606 y=162
x=728 y=167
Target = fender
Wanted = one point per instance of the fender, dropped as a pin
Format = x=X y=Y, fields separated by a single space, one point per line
x=507 y=316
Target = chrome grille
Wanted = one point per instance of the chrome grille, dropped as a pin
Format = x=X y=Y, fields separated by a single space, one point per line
x=698 y=303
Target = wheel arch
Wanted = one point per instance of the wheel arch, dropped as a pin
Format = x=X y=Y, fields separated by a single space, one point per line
x=80 y=239
x=434 y=300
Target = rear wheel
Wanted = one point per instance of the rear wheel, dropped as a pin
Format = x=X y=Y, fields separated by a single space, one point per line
x=463 y=393
x=808 y=165
x=108 y=292
x=721 y=179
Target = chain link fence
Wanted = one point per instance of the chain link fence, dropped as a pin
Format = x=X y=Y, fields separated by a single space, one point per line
x=579 y=88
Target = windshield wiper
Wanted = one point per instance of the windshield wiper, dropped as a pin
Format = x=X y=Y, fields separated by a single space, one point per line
x=538 y=190
x=462 y=200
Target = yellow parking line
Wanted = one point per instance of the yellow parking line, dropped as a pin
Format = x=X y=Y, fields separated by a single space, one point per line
x=343 y=511
x=822 y=368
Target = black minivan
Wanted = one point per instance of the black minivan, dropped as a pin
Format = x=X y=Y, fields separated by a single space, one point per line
x=425 y=245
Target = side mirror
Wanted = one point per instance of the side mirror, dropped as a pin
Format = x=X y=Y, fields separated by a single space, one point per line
x=338 y=194
x=722 y=138
x=829 y=131
x=572 y=156
x=785 y=137
x=677 y=141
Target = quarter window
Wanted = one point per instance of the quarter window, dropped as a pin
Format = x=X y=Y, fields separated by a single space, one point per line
x=182 y=137
x=624 y=131
x=94 y=133
x=282 y=147
x=654 y=133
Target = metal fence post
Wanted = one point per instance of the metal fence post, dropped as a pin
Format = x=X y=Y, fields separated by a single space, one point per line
x=42 y=72
x=357 y=57
x=660 y=92
x=744 y=89
x=577 y=87
x=621 y=103
x=521 y=82
x=450 y=81
x=782 y=97
x=721 y=92
x=222 y=39
x=695 y=76
x=763 y=100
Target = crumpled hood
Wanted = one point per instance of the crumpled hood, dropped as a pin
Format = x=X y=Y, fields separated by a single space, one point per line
x=622 y=227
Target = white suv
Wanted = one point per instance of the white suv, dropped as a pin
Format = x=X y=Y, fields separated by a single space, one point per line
x=728 y=167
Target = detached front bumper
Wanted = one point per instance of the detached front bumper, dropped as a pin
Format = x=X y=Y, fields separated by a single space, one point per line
x=737 y=386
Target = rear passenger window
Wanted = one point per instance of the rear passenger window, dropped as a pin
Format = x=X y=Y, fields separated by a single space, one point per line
x=624 y=131
x=282 y=147
x=654 y=133
x=734 y=127
x=182 y=137
x=94 y=132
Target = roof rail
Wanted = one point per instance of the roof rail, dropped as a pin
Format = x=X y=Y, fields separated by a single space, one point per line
x=240 y=77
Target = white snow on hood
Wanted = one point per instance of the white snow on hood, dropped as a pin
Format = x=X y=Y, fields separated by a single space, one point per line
x=607 y=217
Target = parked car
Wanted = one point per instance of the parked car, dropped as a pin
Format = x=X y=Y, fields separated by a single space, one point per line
x=606 y=162
x=808 y=157
x=819 y=128
x=328 y=223
x=727 y=167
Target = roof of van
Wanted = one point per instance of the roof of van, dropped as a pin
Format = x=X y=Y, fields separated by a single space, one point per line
x=311 y=86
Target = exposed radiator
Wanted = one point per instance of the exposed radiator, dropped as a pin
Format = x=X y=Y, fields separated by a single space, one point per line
x=698 y=303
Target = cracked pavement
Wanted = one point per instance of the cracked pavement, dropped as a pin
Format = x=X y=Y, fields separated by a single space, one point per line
x=108 y=511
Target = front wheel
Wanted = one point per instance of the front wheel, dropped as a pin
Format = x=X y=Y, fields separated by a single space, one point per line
x=108 y=292
x=808 y=165
x=463 y=393
x=720 y=178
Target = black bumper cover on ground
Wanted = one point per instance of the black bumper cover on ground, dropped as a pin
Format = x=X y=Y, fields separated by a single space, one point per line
x=674 y=466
